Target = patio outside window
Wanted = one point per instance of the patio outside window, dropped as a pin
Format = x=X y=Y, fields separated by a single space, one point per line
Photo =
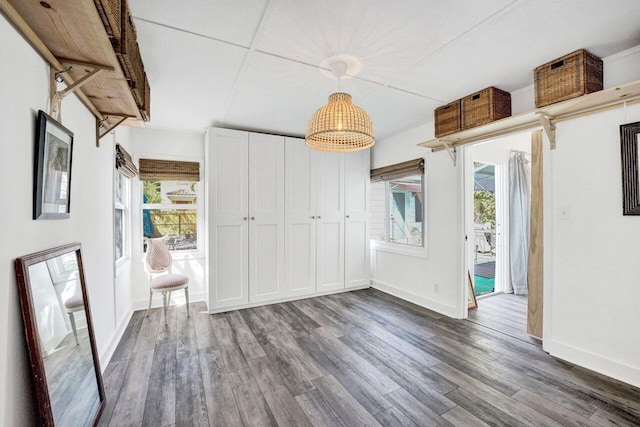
x=170 y=204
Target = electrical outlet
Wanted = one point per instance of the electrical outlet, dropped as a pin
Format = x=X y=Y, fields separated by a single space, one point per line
x=565 y=212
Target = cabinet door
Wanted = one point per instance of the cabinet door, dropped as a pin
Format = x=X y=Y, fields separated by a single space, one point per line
x=330 y=221
x=300 y=218
x=266 y=211
x=357 y=218
x=227 y=155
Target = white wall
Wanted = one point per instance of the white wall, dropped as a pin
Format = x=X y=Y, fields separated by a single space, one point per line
x=592 y=272
x=429 y=277
x=24 y=89
x=162 y=144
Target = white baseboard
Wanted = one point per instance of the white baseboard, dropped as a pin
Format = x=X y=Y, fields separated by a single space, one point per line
x=106 y=355
x=156 y=302
x=280 y=300
x=436 y=306
x=594 y=362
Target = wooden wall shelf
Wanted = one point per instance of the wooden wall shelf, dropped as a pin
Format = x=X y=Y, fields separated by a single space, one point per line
x=71 y=34
x=544 y=116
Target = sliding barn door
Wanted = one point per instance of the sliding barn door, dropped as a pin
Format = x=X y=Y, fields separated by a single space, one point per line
x=535 y=274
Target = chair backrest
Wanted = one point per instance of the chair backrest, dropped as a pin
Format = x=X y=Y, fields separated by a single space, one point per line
x=158 y=255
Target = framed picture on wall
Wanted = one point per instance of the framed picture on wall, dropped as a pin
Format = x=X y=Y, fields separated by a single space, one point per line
x=52 y=177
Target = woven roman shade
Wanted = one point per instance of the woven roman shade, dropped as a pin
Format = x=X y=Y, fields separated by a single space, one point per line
x=399 y=170
x=169 y=170
x=124 y=164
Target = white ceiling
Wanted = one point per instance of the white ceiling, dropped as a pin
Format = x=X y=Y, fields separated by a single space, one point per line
x=254 y=64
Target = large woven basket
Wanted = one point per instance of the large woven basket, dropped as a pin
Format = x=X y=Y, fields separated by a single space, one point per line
x=448 y=119
x=110 y=12
x=486 y=106
x=146 y=107
x=129 y=57
x=570 y=76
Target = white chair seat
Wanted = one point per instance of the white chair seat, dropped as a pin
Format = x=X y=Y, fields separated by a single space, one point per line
x=169 y=281
x=74 y=302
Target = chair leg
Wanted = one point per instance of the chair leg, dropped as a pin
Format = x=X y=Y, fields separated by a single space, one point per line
x=150 y=296
x=73 y=326
x=164 y=306
x=186 y=297
x=168 y=298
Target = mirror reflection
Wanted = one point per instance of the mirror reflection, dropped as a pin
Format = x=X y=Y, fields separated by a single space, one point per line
x=61 y=319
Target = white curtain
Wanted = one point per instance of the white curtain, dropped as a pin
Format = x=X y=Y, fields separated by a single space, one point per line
x=519 y=216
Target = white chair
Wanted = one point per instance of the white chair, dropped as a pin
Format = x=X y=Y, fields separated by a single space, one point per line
x=73 y=304
x=161 y=279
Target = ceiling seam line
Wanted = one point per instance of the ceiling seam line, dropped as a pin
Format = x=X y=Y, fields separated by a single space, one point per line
x=247 y=59
x=193 y=33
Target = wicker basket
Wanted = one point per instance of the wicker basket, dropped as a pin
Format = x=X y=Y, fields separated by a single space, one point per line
x=146 y=107
x=129 y=57
x=448 y=119
x=486 y=106
x=570 y=76
x=110 y=12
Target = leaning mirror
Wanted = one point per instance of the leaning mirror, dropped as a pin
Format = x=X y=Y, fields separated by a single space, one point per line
x=60 y=338
x=629 y=141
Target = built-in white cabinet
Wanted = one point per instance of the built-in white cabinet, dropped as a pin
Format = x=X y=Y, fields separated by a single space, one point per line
x=283 y=219
x=300 y=218
x=330 y=220
x=227 y=207
x=356 y=249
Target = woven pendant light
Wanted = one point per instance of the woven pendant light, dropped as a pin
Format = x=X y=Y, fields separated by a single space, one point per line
x=340 y=126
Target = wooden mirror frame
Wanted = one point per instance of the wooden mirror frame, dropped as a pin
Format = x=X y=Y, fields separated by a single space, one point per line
x=630 y=178
x=22 y=265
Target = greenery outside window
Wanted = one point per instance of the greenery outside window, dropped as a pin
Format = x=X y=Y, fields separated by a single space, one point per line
x=170 y=209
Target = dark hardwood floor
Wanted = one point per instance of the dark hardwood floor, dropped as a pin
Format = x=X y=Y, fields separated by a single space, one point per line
x=506 y=313
x=357 y=358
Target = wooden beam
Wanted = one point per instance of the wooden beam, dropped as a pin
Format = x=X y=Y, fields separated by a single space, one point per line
x=535 y=271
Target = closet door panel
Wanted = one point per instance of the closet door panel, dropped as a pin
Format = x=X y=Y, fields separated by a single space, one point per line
x=266 y=222
x=228 y=223
x=300 y=218
x=357 y=253
x=330 y=221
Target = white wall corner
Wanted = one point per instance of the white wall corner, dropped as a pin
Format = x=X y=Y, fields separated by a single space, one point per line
x=595 y=362
x=110 y=348
x=447 y=310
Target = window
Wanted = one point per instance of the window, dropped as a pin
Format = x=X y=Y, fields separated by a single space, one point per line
x=125 y=169
x=170 y=204
x=120 y=215
x=397 y=203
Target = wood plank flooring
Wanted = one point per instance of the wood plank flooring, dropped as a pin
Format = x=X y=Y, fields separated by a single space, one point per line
x=351 y=359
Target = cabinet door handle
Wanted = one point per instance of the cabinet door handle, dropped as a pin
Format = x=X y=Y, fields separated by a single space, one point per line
x=245 y=218
x=253 y=218
x=319 y=217
x=347 y=216
x=313 y=217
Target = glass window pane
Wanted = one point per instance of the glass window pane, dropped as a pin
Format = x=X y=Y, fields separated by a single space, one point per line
x=119 y=188
x=119 y=233
x=406 y=210
x=170 y=192
x=180 y=226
